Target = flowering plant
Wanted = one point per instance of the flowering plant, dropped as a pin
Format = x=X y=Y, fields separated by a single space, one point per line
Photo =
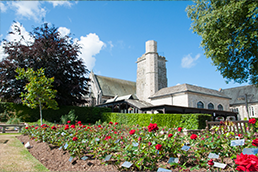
x=143 y=146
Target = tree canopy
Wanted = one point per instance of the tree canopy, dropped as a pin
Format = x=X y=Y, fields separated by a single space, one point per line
x=39 y=92
x=229 y=31
x=57 y=55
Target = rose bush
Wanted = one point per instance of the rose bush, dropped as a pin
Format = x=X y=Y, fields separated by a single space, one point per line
x=141 y=146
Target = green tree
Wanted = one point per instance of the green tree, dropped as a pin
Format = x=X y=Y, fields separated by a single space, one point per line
x=39 y=90
x=229 y=31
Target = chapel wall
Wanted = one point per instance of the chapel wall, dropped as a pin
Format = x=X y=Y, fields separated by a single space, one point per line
x=194 y=98
x=180 y=100
x=241 y=109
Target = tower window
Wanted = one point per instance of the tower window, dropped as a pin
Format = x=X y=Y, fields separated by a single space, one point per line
x=200 y=104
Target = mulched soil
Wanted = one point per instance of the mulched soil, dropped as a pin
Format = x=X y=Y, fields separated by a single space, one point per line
x=58 y=160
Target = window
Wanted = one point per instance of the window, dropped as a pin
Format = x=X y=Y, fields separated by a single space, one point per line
x=200 y=105
x=234 y=110
x=220 y=107
x=251 y=111
x=210 y=106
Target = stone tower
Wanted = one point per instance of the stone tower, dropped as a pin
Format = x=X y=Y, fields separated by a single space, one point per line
x=151 y=72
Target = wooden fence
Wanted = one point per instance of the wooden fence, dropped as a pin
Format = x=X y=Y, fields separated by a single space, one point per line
x=238 y=127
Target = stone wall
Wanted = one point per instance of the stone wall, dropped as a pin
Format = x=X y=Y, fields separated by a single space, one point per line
x=194 y=98
x=242 y=110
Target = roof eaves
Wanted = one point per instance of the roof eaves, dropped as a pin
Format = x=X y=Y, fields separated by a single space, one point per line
x=191 y=92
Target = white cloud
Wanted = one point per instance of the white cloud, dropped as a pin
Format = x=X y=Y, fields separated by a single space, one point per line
x=28 y=9
x=188 y=61
x=110 y=45
x=15 y=37
x=91 y=45
x=63 y=31
x=2 y=54
x=3 y=8
x=65 y=3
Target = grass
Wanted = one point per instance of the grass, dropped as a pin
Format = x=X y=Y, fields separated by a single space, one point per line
x=15 y=157
x=16 y=134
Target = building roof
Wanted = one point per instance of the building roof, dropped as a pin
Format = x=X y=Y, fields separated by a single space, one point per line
x=237 y=94
x=118 y=98
x=188 y=88
x=113 y=86
x=133 y=102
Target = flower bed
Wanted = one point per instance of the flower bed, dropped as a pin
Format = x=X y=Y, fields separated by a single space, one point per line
x=145 y=148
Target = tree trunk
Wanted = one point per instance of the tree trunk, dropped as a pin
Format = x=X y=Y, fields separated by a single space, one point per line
x=40 y=112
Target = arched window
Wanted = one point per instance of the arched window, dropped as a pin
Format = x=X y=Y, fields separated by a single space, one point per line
x=220 y=107
x=210 y=106
x=200 y=105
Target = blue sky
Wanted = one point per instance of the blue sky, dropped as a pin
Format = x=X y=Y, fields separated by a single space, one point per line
x=113 y=35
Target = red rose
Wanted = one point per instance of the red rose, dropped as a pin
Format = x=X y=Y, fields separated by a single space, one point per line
x=79 y=122
x=36 y=128
x=139 y=139
x=193 y=136
x=170 y=135
x=68 y=122
x=247 y=162
x=149 y=143
x=72 y=126
x=255 y=142
x=240 y=135
x=241 y=168
x=32 y=126
x=153 y=127
x=202 y=138
x=252 y=121
x=84 y=126
x=53 y=127
x=99 y=126
x=132 y=132
x=116 y=123
x=75 y=138
x=107 y=137
x=158 y=147
x=210 y=162
x=110 y=122
x=26 y=128
x=44 y=125
x=179 y=129
x=121 y=137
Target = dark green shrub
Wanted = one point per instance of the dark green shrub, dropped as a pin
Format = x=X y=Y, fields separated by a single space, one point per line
x=188 y=121
x=85 y=114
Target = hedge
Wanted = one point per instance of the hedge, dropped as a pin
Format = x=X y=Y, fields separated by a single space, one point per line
x=85 y=114
x=188 y=121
